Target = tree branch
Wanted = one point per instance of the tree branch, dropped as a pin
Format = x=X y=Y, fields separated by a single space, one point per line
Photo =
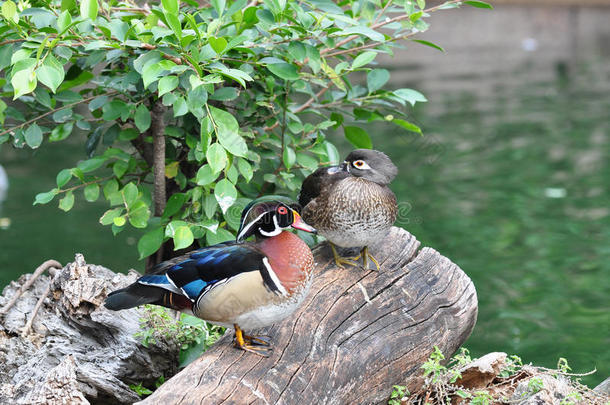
x=33 y=120
x=158 y=134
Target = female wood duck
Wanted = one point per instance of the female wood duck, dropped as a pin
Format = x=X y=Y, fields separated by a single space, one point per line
x=241 y=284
x=351 y=204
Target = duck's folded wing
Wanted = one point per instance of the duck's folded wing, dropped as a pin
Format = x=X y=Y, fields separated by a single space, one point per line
x=315 y=183
x=179 y=282
x=198 y=272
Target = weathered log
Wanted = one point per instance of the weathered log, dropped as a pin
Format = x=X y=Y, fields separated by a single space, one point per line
x=357 y=333
x=77 y=352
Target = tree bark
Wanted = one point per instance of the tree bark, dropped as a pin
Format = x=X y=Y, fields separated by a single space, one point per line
x=76 y=351
x=157 y=129
x=357 y=333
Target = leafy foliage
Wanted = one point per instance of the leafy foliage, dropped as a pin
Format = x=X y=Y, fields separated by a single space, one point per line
x=190 y=335
x=443 y=383
x=248 y=93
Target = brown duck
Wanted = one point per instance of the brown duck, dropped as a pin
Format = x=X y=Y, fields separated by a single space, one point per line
x=351 y=204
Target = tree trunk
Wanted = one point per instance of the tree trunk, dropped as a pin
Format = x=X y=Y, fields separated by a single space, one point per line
x=357 y=333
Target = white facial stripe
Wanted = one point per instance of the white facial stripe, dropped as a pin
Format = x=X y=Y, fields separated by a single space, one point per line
x=274 y=278
x=245 y=230
x=275 y=232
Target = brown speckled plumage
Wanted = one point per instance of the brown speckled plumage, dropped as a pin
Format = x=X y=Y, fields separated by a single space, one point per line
x=351 y=205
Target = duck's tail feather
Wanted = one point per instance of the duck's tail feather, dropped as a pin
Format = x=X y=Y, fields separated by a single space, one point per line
x=139 y=294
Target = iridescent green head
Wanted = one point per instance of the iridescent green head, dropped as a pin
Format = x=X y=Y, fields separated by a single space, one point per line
x=268 y=216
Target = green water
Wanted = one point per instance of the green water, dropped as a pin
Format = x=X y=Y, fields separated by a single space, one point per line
x=42 y=232
x=512 y=184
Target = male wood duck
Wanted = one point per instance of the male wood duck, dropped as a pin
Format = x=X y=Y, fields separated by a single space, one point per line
x=241 y=284
x=351 y=204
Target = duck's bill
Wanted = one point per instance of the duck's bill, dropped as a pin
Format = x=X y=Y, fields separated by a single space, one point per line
x=298 y=223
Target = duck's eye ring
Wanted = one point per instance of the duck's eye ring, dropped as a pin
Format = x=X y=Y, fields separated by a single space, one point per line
x=359 y=163
x=282 y=210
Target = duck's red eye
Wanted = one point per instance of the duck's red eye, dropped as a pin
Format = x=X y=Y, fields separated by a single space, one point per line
x=282 y=210
x=359 y=163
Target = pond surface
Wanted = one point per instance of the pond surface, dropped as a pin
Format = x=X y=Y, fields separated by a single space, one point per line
x=511 y=180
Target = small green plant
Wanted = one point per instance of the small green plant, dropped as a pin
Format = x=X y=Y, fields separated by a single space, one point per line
x=534 y=385
x=481 y=398
x=562 y=365
x=140 y=390
x=513 y=366
x=433 y=367
x=191 y=335
x=572 y=398
x=398 y=392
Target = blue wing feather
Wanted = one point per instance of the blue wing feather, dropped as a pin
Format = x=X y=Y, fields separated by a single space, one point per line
x=194 y=274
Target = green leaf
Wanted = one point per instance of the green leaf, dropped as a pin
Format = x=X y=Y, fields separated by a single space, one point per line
x=150 y=242
x=358 y=137
x=366 y=31
x=167 y=84
x=375 y=79
x=142 y=118
x=64 y=20
x=119 y=168
x=411 y=96
x=33 y=136
x=428 y=43
x=174 y=204
x=139 y=214
x=170 y=6
x=174 y=24
x=119 y=221
x=130 y=194
x=227 y=131
x=217 y=157
x=183 y=237
x=289 y=157
x=225 y=194
x=407 y=125
x=66 y=203
x=363 y=59
x=113 y=110
x=88 y=9
x=218 y=44
x=180 y=107
x=51 y=73
x=205 y=175
x=63 y=177
x=332 y=153
x=285 y=71
x=9 y=11
x=224 y=94
x=245 y=169
x=43 y=198
x=307 y=161
x=92 y=192
x=297 y=51
x=67 y=4
x=61 y=132
x=219 y=6
x=91 y=164
x=478 y=4
x=221 y=235
x=23 y=78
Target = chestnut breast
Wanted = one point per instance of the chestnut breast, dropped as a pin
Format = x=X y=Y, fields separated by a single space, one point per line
x=290 y=258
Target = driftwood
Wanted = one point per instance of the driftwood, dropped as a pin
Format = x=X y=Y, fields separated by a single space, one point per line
x=357 y=333
x=58 y=345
